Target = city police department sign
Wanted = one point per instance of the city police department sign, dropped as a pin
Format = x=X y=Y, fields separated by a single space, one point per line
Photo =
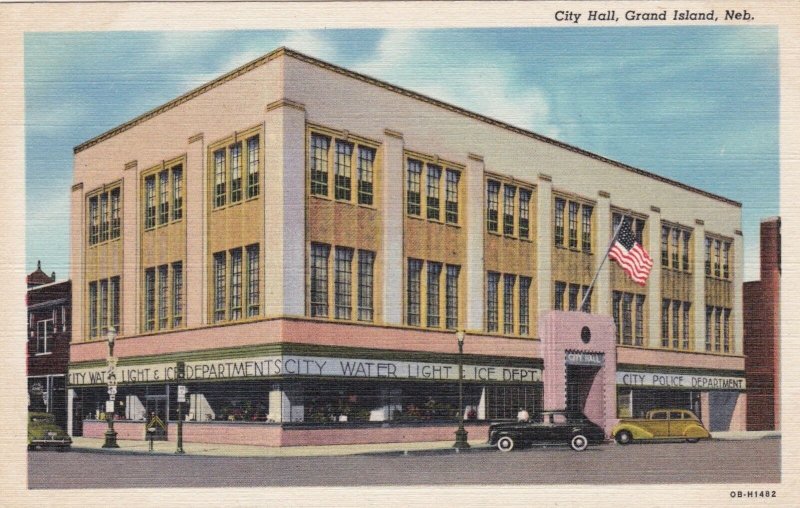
x=670 y=380
x=266 y=366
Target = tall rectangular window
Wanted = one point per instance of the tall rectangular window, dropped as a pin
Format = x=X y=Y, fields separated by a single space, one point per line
x=104 y=221
x=665 y=246
x=492 y=197
x=558 y=295
x=616 y=301
x=717 y=328
x=366 y=161
x=686 y=307
x=559 y=222
x=627 y=300
x=434 y=177
x=524 y=213
x=94 y=221
x=236 y=172
x=726 y=332
x=45 y=329
x=687 y=236
x=573 y=225
x=451 y=196
x=253 y=161
x=726 y=252
x=366 y=278
x=163 y=197
x=493 y=281
x=413 y=199
x=413 y=290
x=220 y=263
x=114 y=289
x=235 y=298
x=319 y=164
x=177 y=192
x=675 y=238
x=524 y=304
x=253 y=281
x=219 y=178
x=586 y=228
x=573 y=296
x=150 y=202
x=717 y=245
x=434 y=274
x=342 y=170
x=103 y=306
x=177 y=294
x=676 y=323
x=451 y=296
x=150 y=299
x=319 y=279
x=508 y=303
x=639 y=320
x=665 y=323
x=709 y=313
x=509 y=192
x=93 y=321
x=708 y=256
x=163 y=291
x=115 y=217
x=343 y=283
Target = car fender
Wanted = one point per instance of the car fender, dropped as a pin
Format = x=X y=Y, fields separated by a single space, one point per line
x=637 y=431
x=696 y=432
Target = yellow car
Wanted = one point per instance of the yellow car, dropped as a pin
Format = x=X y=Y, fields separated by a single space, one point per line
x=661 y=424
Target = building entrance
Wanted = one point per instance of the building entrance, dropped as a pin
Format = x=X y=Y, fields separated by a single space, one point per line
x=579 y=383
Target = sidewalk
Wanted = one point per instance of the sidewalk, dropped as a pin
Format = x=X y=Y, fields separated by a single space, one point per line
x=82 y=444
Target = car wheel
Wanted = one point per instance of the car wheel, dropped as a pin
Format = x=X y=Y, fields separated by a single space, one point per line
x=692 y=440
x=579 y=442
x=624 y=437
x=505 y=444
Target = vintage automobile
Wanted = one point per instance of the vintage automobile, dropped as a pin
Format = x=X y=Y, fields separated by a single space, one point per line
x=548 y=427
x=661 y=424
x=44 y=433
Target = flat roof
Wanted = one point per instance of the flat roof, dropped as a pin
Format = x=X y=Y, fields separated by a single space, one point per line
x=394 y=88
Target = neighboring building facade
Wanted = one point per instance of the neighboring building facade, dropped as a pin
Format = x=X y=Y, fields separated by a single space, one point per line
x=49 y=314
x=762 y=333
x=308 y=240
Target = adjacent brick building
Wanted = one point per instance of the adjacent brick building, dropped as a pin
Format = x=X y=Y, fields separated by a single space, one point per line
x=762 y=333
x=49 y=314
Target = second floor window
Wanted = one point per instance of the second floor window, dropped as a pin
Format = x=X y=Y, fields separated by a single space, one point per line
x=524 y=305
x=451 y=296
x=343 y=170
x=559 y=221
x=150 y=202
x=45 y=330
x=492 y=318
x=434 y=276
x=253 y=161
x=573 y=224
x=413 y=197
x=366 y=268
x=253 y=281
x=508 y=209
x=492 y=197
x=366 y=161
x=177 y=192
x=508 y=303
x=219 y=178
x=524 y=213
x=586 y=228
x=236 y=172
x=163 y=197
x=343 y=283
x=104 y=215
x=166 y=186
x=451 y=197
x=432 y=203
x=413 y=290
x=319 y=280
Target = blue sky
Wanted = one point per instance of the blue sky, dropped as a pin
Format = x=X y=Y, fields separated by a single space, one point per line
x=695 y=104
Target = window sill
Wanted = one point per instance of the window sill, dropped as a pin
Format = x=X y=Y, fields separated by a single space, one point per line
x=106 y=242
x=44 y=354
x=320 y=196
x=495 y=233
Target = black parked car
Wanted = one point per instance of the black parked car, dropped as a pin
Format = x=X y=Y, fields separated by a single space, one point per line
x=564 y=427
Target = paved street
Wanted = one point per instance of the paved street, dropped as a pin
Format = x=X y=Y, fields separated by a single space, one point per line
x=748 y=462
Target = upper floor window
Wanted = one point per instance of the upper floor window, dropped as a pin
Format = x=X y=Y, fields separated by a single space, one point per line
x=413 y=199
x=413 y=292
x=352 y=163
x=235 y=167
x=104 y=306
x=637 y=226
x=451 y=196
x=163 y=197
x=45 y=330
x=628 y=313
x=166 y=186
x=236 y=283
x=163 y=297
x=104 y=216
x=573 y=224
x=559 y=221
x=524 y=213
x=432 y=203
x=492 y=197
x=177 y=192
x=579 y=224
x=718 y=258
x=675 y=242
x=586 y=228
x=708 y=256
x=509 y=192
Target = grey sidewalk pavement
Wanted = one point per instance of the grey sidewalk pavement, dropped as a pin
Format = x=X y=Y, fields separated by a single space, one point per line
x=82 y=444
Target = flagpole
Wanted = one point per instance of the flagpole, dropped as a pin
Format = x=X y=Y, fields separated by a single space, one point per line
x=608 y=249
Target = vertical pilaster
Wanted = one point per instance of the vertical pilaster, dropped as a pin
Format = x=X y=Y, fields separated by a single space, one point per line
x=604 y=230
x=699 y=294
x=654 y=280
x=131 y=254
x=392 y=255
x=70 y=409
x=196 y=234
x=285 y=211
x=544 y=243
x=77 y=260
x=475 y=248
x=737 y=313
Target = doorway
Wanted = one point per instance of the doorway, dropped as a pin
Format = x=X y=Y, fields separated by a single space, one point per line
x=579 y=383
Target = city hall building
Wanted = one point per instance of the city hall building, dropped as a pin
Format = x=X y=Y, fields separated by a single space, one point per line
x=308 y=240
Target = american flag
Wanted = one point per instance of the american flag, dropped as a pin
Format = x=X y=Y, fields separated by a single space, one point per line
x=630 y=254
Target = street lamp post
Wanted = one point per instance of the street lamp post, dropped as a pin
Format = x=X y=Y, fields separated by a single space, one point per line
x=111 y=377
x=461 y=434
